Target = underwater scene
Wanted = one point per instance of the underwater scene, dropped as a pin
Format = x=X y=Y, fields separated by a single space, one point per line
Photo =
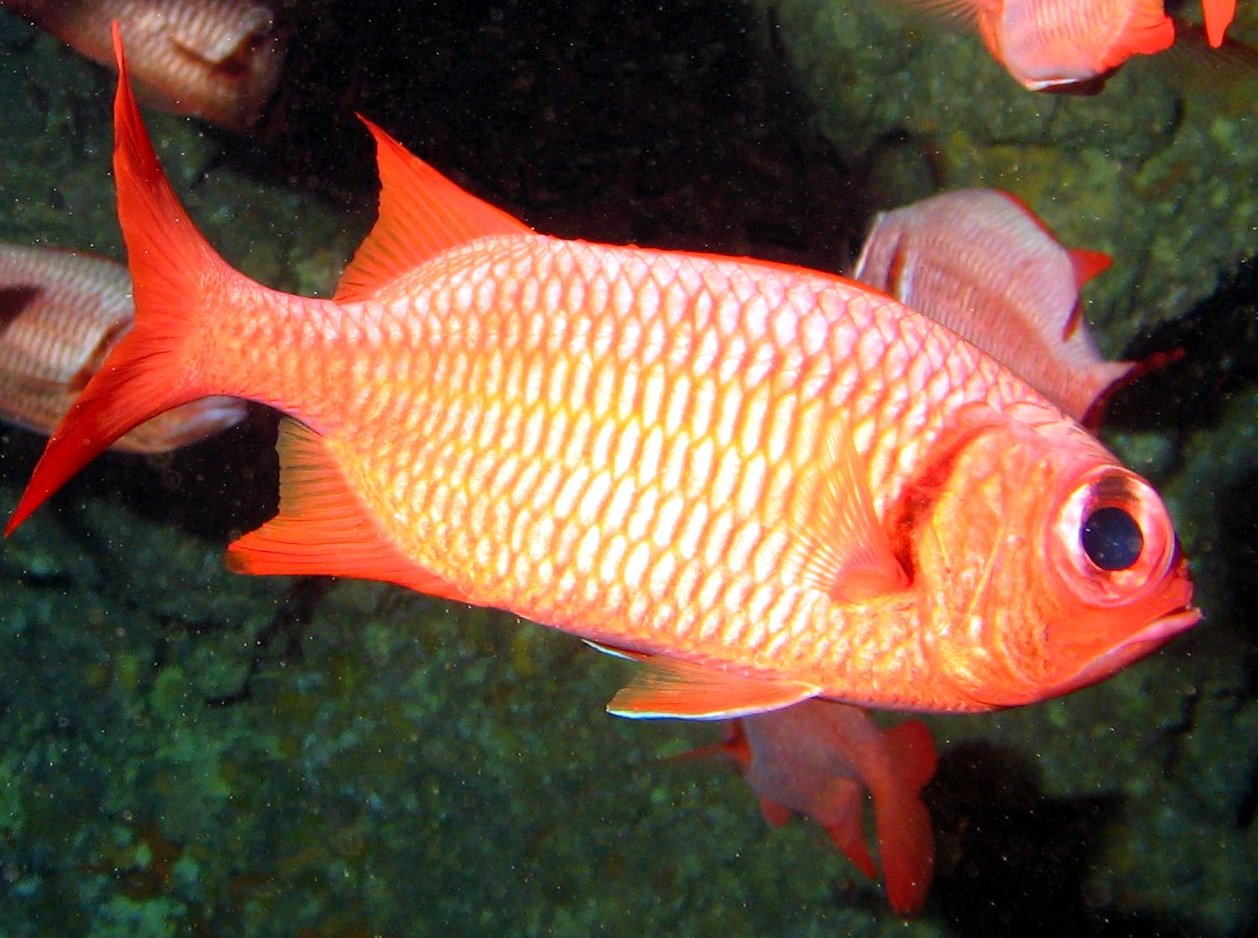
x=1035 y=713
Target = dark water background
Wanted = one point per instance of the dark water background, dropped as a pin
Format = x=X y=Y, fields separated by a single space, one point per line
x=184 y=751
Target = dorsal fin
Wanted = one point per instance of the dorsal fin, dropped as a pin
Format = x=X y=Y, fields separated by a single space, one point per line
x=422 y=214
x=1088 y=263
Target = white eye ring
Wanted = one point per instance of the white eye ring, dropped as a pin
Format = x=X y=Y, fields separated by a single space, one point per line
x=1145 y=538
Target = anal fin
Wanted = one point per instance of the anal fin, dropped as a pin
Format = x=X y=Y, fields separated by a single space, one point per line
x=323 y=528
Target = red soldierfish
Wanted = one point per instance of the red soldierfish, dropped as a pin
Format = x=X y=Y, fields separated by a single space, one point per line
x=817 y=758
x=60 y=314
x=780 y=484
x=219 y=60
x=984 y=265
x=1056 y=44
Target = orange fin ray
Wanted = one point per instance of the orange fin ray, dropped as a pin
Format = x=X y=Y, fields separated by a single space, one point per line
x=944 y=14
x=686 y=690
x=842 y=547
x=170 y=263
x=322 y=527
x=1088 y=263
x=422 y=214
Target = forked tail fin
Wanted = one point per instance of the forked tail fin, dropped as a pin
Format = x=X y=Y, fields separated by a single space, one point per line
x=173 y=269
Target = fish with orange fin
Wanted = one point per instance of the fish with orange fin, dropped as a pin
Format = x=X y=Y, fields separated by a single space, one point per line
x=1061 y=45
x=818 y=757
x=60 y=314
x=980 y=262
x=779 y=484
x=219 y=60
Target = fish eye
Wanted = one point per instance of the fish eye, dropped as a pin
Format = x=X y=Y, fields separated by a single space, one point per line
x=1111 y=541
x=1111 y=538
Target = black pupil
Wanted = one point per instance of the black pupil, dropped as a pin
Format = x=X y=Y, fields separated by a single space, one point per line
x=1111 y=539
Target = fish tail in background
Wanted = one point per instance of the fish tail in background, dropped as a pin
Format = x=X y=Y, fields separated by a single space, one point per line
x=1218 y=15
x=906 y=841
x=173 y=270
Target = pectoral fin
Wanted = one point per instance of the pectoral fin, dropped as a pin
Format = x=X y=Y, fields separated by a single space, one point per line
x=842 y=546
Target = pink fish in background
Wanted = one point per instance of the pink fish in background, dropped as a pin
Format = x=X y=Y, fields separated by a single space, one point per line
x=1218 y=15
x=219 y=60
x=60 y=314
x=817 y=758
x=983 y=264
x=1061 y=44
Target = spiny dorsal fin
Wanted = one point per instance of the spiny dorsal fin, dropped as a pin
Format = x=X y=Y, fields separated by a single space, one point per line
x=422 y=214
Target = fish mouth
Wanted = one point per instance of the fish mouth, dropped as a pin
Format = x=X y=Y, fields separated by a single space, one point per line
x=1135 y=647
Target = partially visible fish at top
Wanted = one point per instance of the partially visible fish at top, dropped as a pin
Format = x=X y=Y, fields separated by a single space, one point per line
x=818 y=757
x=1061 y=45
x=980 y=262
x=61 y=312
x=776 y=483
x=219 y=60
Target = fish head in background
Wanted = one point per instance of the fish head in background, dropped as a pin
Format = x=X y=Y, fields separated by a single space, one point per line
x=1050 y=565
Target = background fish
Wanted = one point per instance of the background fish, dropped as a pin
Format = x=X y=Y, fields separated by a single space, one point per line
x=1061 y=44
x=817 y=758
x=984 y=265
x=60 y=314
x=219 y=60
x=782 y=483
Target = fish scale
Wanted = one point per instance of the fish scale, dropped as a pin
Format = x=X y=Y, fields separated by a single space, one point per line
x=496 y=389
